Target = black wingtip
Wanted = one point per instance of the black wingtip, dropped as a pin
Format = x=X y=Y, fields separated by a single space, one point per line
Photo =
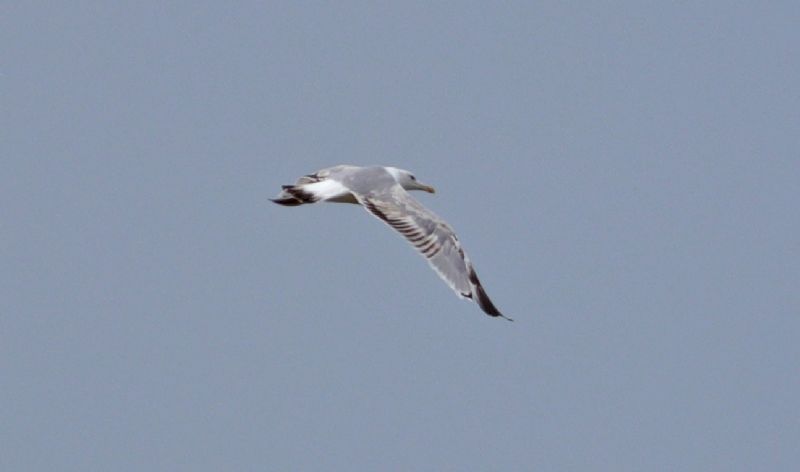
x=486 y=304
x=482 y=299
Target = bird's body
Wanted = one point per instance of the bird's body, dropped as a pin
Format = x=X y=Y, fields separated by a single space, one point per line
x=383 y=192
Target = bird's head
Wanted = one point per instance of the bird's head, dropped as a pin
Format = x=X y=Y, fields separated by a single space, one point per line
x=407 y=180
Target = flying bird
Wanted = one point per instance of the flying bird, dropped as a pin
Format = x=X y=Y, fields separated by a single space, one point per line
x=383 y=192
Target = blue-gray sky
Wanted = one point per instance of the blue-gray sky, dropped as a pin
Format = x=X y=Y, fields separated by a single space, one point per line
x=625 y=176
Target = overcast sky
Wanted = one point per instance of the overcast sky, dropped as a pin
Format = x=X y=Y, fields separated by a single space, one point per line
x=624 y=175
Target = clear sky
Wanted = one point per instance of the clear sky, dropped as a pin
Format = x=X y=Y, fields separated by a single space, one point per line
x=624 y=175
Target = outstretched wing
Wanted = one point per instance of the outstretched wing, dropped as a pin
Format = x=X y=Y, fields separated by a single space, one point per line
x=433 y=238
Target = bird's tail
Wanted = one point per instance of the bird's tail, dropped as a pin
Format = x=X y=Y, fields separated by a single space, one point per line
x=293 y=195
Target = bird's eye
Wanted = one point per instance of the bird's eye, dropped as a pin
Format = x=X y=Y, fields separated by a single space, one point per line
x=413 y=178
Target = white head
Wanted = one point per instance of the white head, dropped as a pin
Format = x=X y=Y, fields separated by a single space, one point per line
x=407 y=180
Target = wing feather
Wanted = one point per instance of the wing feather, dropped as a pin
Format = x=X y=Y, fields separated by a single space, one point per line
x=433 y=238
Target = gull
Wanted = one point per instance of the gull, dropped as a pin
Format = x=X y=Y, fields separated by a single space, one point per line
x=383 y=192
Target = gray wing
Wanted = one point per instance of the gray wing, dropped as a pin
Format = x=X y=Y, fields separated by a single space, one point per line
x=432 y=237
